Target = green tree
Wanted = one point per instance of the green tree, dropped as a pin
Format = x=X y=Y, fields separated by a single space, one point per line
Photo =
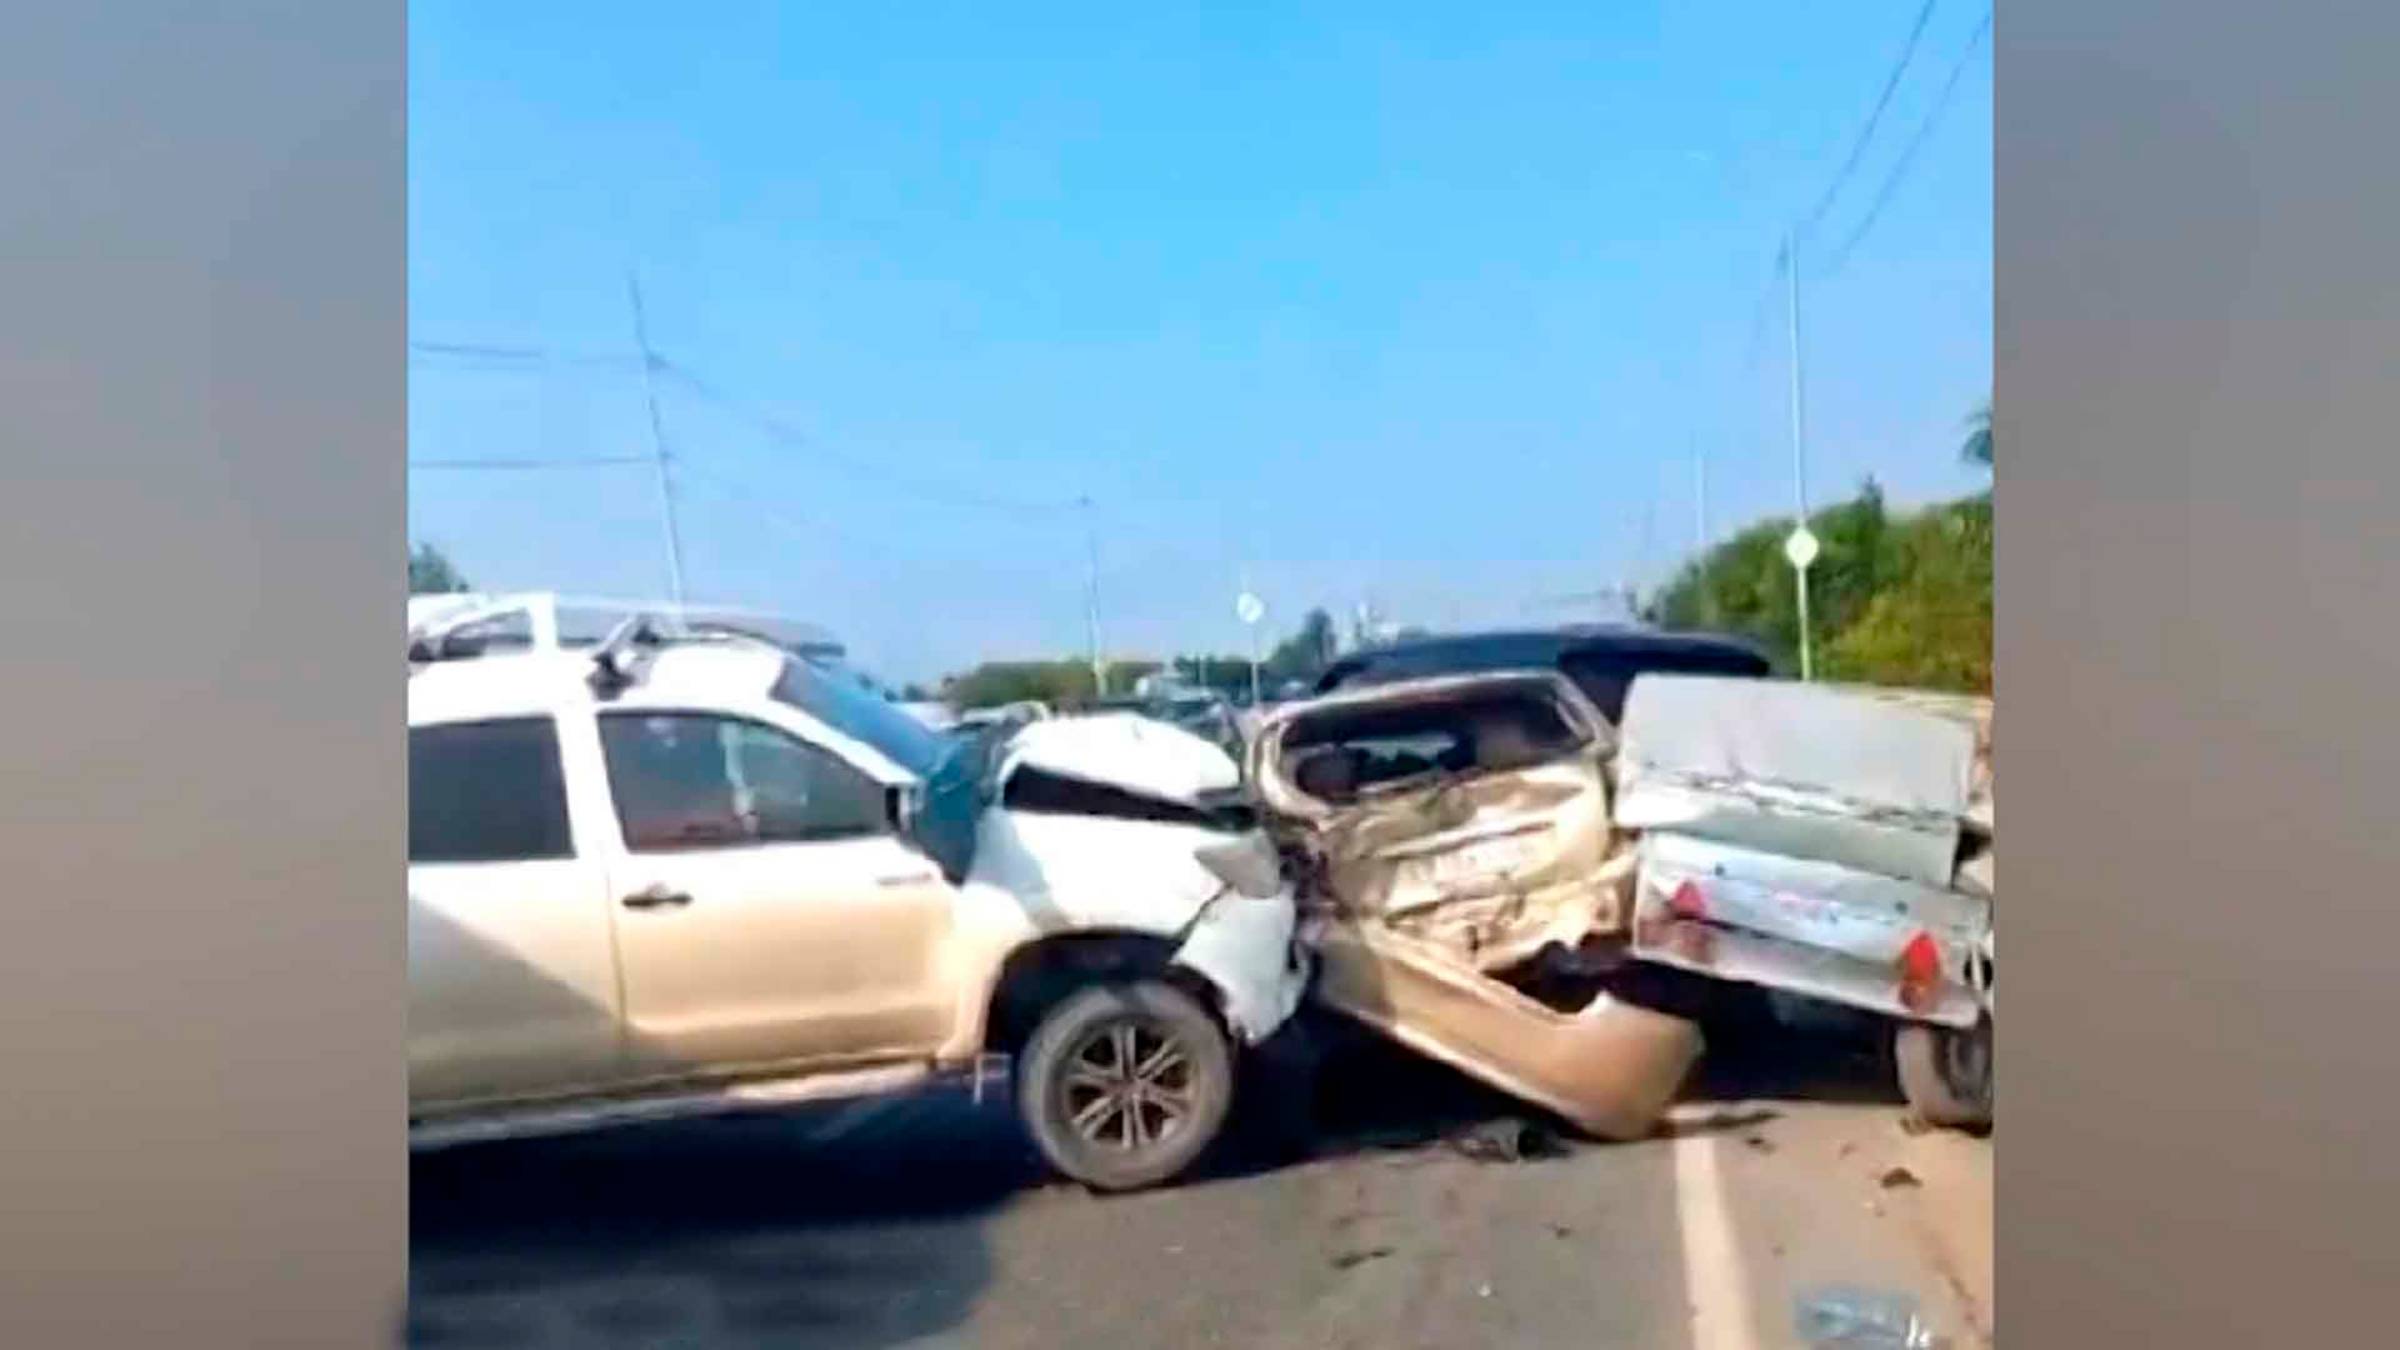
x=432 y=573
x=1932 y=628
x=1745 y=584
x=1305 y=654
x=1977 y=449
x=994 y=683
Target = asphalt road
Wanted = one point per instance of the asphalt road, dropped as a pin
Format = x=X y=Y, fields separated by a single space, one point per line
x=926 y=1222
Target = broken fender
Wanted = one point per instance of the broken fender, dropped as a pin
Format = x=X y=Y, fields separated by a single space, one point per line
x=1243 y=946
x=1611 y=1069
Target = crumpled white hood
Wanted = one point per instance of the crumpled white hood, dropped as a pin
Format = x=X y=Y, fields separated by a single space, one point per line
x=1127 y=751
x=1064 y=871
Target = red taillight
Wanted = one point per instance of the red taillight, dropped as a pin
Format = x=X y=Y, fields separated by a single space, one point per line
x=1920 y=970
x=1687 y=902
x=1921 y=960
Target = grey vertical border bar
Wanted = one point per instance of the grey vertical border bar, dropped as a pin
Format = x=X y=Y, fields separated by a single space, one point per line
x=2197 y=393
x=202 y=936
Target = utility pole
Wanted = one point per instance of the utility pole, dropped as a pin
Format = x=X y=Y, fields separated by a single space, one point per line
x=1802 y=550
x=1699 y=500
x=1091 y=539
x=1706 y=606
x=658 y=441
x=1250 y=610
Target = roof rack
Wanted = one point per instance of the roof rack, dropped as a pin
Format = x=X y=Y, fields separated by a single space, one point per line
x=457 y=627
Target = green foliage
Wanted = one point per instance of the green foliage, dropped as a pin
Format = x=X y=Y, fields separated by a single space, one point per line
x=1068 y=683
x=1060 y=684
x=1932 y=629
x=1228 y=675
x=1057 y=683
x=1305 y=654
x=1904 y=600
x=1745 y=586
x=431 y=573
x=1977 y=448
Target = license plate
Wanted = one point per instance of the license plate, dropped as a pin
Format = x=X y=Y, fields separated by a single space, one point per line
x=1481 y=859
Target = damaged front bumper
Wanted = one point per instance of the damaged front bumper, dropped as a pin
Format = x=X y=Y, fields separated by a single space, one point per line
x=1611 y=1068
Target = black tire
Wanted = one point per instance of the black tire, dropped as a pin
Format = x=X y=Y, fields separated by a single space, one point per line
x=1946 y=1074
x=1114 y=1131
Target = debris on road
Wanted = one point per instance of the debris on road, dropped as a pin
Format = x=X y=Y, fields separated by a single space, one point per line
x=1899 y=1178
x=1846 y=1318
x=1352 y=1259
x=1507 y=1141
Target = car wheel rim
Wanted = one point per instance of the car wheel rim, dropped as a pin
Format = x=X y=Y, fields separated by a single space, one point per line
x=1967 y=1059
x=1129 y=1086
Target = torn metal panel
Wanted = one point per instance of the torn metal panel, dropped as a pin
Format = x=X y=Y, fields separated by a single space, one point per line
x=1813 y=927
x=1449 y=828
x=1797 y=769
x=1084 y=804
x=1243 y=946
x=1969 y=710
x=1611 y=1068
x=1490 y=869
x=1489 y=850
x=1283 y=744
x=1125 y=751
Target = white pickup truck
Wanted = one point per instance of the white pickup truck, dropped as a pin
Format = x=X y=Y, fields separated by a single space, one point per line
x=683 y=871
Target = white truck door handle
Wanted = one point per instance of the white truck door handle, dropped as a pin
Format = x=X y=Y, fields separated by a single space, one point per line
x=657 y=897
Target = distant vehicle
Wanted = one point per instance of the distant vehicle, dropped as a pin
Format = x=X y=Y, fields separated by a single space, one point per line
x=1203 y=712
x=1601 y=660
x=975 y=719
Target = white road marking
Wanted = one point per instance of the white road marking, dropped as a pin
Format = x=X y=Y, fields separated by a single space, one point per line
x=1713 y=1280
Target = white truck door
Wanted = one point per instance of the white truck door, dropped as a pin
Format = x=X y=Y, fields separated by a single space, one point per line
x=512 y=976
x=768 y=912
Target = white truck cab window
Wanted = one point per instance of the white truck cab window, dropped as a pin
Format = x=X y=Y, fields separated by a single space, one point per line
x=486 y=792
x=696 y=780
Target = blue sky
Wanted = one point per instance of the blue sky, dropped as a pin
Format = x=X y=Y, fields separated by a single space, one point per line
x=1418 y=304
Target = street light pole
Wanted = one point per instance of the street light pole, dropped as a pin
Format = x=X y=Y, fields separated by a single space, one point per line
x=1791 y=263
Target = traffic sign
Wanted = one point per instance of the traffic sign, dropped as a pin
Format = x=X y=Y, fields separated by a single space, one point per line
x=1800 y=547
x=1249 y=608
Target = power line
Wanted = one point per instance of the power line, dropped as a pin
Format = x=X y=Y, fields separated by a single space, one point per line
x=1908 y=155
x=814 y=532
x=496 y=355
x=1764 y=310
x=584 y=462
x=778 y=429
x=1866 y=132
